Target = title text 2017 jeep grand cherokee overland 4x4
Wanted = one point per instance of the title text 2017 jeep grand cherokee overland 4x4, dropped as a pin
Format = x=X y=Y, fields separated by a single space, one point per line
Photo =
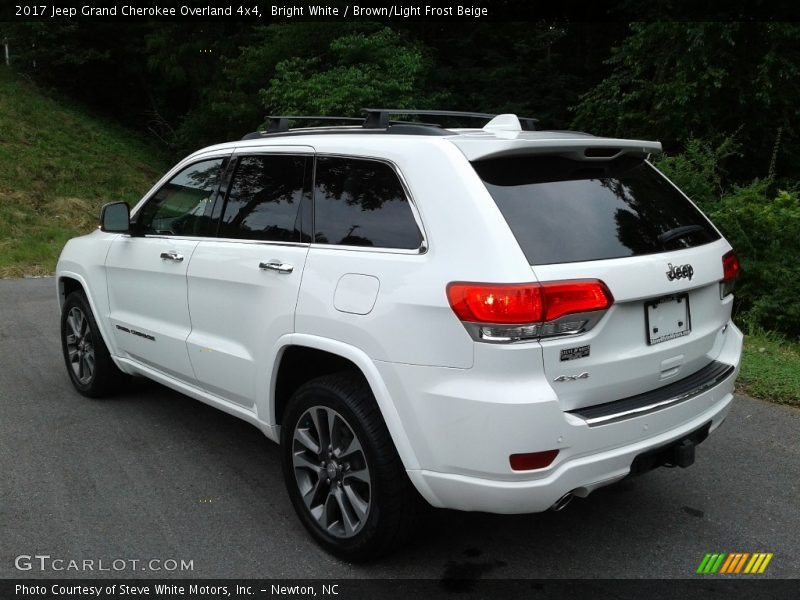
x=493 y=319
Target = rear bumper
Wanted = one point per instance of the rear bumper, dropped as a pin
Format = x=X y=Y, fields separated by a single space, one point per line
x=580 y=476
x=466 y=425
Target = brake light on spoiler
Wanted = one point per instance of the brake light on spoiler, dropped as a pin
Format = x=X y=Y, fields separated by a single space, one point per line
x=514 y=312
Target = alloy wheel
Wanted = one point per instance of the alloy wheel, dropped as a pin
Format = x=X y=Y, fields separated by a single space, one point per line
x=80 y=346
x=331 y=471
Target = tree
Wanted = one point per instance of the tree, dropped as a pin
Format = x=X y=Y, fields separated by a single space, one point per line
x=675 y=81
x=359 y=69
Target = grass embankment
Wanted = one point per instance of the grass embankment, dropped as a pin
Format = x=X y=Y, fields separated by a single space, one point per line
x=771 y=369
x=58 y=166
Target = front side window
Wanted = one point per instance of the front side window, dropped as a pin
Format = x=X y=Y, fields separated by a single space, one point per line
x=362 y=203
x=265 y=198
x=183 y=205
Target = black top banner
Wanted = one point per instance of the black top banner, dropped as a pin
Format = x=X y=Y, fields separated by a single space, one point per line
x=377 y=10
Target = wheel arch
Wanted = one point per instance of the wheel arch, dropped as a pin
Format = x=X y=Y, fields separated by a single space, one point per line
x=68 y=282
x=304 y=357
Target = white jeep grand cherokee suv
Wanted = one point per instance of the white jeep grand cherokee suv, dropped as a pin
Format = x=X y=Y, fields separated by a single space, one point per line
x=494 y=319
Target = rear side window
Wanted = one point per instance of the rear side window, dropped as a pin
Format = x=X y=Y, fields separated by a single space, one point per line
x=561 y=210
x=265 y=198
x=362 y=203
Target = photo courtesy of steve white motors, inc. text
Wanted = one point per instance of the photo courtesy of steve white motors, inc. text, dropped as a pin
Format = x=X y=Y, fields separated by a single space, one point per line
x=170 y=589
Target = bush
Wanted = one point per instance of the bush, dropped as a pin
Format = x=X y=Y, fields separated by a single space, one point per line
x=698 y=169
x=761 y=224
x=764 y=229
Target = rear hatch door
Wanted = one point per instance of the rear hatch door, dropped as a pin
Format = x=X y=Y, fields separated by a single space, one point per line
x=619 y=221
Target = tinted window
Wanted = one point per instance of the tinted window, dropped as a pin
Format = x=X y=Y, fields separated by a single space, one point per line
x=362 y=203
x=264 y=199
x=562 y=210
x=183 y=205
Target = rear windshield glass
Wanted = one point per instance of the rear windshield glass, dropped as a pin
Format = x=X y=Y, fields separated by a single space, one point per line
x=563 y=210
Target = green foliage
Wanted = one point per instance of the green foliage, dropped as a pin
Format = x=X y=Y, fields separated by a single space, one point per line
x=191 y=84
x=531 y=69
x=232 y=107
x=698 y=170
x=377 y=69
x=98 y=63
x=677 y=80
x=764 y=228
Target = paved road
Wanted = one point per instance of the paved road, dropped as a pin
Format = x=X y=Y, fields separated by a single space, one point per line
x=153 y=474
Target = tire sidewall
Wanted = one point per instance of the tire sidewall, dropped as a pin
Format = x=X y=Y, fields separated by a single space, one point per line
x=106 y=377
x=77 y=300
x=319 y=394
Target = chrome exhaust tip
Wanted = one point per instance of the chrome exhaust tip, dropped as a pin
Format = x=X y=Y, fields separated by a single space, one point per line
x=562 y=502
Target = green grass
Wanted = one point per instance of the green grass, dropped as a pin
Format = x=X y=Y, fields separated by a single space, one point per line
x=58 y=166
x=771 y=368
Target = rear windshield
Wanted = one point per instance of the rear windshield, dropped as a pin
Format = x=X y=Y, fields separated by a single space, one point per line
x=563 y=210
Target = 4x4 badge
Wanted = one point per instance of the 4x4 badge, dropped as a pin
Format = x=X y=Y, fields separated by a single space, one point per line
x=680 y=272
x=562 y=378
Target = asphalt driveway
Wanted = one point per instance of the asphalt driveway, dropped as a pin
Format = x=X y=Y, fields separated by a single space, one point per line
x=152 y=474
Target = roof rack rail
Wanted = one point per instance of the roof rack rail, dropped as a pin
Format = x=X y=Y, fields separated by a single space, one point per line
x=281 y=123
x=378 y=118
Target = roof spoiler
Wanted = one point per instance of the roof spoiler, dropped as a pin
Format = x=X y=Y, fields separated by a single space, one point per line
x=576 y=148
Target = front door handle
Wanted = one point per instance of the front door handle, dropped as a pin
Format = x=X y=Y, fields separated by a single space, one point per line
x=276 y=265
x=172 y=255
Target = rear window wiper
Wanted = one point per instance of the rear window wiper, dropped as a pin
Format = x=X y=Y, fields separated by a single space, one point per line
x=679 y=232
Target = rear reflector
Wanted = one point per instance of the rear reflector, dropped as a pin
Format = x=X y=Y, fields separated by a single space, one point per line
x=526 y=303
x=532 y=460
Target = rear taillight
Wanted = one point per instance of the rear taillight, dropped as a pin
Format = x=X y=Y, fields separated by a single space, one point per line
x=512 y=312
x=570 y=297
x=488 y=303
x=730 y=271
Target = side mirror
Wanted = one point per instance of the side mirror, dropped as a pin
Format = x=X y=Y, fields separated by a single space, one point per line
x=115 y=217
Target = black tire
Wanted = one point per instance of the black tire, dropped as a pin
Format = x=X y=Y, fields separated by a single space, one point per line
x=393 y=503
x=104 y=378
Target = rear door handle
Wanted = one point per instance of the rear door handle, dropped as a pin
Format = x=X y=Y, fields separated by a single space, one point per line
x=172 y=255
x=276 y=265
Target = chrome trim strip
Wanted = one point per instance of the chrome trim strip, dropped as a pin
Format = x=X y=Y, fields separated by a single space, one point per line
x=590 y=318
x=406 y=251
x=193 y=238
x=648 y=408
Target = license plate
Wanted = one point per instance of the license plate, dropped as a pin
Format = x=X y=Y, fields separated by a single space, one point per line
x=667 y=318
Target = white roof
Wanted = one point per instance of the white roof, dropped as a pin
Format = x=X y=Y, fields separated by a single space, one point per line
x=473 y=143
